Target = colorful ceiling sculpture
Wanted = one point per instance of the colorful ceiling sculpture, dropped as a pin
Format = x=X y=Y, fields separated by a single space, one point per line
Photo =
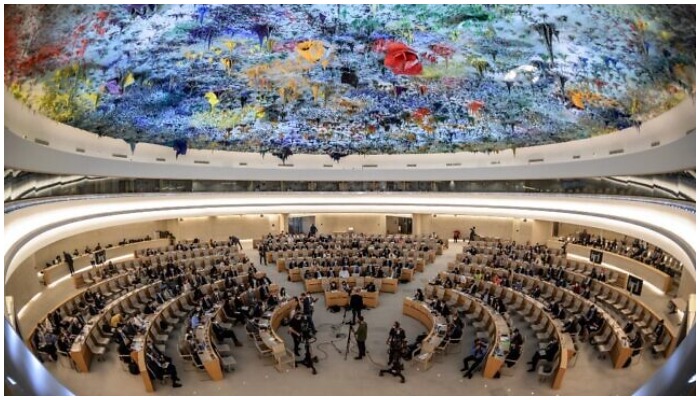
x=350 y=79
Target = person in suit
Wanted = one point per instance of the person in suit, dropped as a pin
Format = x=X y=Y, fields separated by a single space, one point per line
x=160 y=364
x=476 y=356
x=514 y=354
x=356 y=304
x=222 y=333
x=516 y=338
x=307 y=306
x=69 y=261
x=361 y=337
x=547 y=354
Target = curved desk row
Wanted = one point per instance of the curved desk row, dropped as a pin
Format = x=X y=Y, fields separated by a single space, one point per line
x=535 y=310
x=107 y=288
x=650 y=274
x=497 y=328
x=171 y=249
x=153 y=330
x=60 y=270
x=575 y=304
x=486 y=253
x=630 y=307
x=341 y=298
x=644 y=317
x=435 y=325
x=270 y=337
x=283 y=262
x=81 y=351
x=297 y=274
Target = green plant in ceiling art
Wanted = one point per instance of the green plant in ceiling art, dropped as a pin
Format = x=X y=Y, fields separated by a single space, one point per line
x=343 y=79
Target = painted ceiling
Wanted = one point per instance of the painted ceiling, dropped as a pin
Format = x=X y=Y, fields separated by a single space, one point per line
x=344 y=79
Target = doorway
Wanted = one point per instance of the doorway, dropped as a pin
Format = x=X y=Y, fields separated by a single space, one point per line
x=399 y=225
x=300 y=224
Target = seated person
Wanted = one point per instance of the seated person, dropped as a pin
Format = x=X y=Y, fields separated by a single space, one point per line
x=516 y=338
x=499 y=306
x=513 y=355
x=344 y=273
x=371 y=287
x=548 y=354
x=411 y=348
x=476 y=356
x=419 y=295
x=222 y=333
x=149 y=309
x=572 y=325
x=454 y=334
x=196 y=319
x=160 y=365
x=334 y=285
x=47 y=344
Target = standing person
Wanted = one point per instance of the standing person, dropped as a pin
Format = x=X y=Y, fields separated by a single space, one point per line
x=472 y=233
x=361 y=337
x=69 y=261
x=356 y=304
x=262 y=251
x=313 y=230
x=295 y=328
x=307 y=307
x=395 y=341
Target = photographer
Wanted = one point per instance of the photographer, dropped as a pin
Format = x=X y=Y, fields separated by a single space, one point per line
x=295 y=329
x=307 y=307
x=397 y=336
x=356 y=304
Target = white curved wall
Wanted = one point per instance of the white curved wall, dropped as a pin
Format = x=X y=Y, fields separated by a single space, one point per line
x=35 y=227
x=664 y=144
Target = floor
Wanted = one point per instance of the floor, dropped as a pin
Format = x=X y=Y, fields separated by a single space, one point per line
x=338 y=376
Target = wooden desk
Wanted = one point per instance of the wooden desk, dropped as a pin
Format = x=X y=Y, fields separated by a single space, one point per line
x=420 y=312
x=313 y=285
x=389 y=285
x=58 y=271
x=336 y=298
x=147 y=382
x=648 y=273
x=406 y=274
x=270 y=336
x=370 y=299
x=295 y=274
x=281 y=264
x=208 y=356
x=80 y=352
x=566 y=345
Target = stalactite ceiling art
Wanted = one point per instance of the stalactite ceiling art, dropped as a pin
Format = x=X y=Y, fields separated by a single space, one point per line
x=350 y=79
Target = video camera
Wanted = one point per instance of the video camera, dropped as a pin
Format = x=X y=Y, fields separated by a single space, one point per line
x=306 y=332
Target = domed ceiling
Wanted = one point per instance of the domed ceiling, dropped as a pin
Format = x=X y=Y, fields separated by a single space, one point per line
x=343 y=79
